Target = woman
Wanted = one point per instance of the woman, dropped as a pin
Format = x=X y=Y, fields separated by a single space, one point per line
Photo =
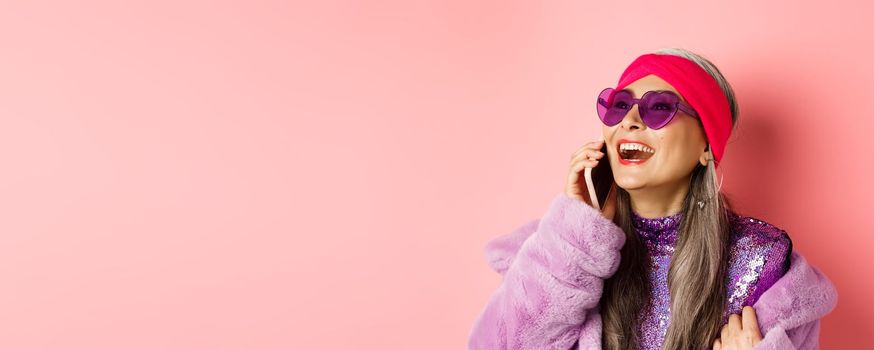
x=667 y=264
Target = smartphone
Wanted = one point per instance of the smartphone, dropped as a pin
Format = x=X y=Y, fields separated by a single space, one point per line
x=599 y=180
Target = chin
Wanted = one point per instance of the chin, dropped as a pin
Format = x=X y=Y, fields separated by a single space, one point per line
x=629 y=182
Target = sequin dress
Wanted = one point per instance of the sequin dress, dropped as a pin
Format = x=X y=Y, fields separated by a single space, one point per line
x=758 y=257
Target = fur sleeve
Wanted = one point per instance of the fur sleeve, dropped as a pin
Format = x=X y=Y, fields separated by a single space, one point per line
x=790 y=312
x=552 y=282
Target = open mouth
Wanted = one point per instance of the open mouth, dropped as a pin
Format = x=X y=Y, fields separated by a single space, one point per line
x=634 y=152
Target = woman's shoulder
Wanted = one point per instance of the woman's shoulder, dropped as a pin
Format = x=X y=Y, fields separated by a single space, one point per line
x=760 y=253
x=757 y=235
x=756 y=225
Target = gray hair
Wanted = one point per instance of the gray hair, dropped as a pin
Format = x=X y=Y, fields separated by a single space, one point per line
x=699 y=264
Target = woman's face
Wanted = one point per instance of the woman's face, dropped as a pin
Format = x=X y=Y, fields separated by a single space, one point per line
x=678 y=146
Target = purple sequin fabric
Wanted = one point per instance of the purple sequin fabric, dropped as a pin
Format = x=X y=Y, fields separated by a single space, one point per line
x=758 y=257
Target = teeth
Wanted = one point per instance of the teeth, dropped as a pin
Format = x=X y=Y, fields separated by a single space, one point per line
x=635 y=146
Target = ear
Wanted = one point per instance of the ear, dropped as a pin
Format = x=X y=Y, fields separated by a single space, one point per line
x=705 y=156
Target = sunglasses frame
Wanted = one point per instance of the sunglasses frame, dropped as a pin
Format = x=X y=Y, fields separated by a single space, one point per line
x=680 y=106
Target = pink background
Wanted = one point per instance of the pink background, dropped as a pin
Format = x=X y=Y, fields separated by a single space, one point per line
x=264 y=175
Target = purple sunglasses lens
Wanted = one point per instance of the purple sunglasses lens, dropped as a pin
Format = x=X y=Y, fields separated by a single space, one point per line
x=609 y=108
x=656 y=108
x=603 y=104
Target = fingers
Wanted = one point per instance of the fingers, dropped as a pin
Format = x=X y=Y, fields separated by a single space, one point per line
x=583 y=148
x=585 y=160
x=585 y=157
x=734 y=324
x=741 y=330
x=751 y=323
x=594 y=145
x=749 y=318
x=579 y=164
x=587 y=154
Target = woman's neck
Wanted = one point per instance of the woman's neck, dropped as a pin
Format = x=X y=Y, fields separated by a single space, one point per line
x=659 y=201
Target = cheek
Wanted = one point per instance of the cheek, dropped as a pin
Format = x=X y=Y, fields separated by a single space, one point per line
x=606 y=130
x=680 y=152
x=685 y=139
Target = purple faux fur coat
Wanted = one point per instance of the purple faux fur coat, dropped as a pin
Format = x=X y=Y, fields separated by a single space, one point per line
x=553 y=272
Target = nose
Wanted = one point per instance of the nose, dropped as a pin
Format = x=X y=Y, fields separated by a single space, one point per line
x=632 y=119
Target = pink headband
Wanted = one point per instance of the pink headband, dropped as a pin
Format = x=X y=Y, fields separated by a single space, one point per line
x=697 y=87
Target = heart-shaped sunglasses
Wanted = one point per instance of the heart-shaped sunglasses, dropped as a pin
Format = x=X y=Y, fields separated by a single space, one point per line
x=656 y=108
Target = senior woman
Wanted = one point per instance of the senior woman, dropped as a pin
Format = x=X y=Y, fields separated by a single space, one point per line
x=667 y=264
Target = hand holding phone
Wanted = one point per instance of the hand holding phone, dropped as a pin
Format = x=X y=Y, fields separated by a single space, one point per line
x=599 y=190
